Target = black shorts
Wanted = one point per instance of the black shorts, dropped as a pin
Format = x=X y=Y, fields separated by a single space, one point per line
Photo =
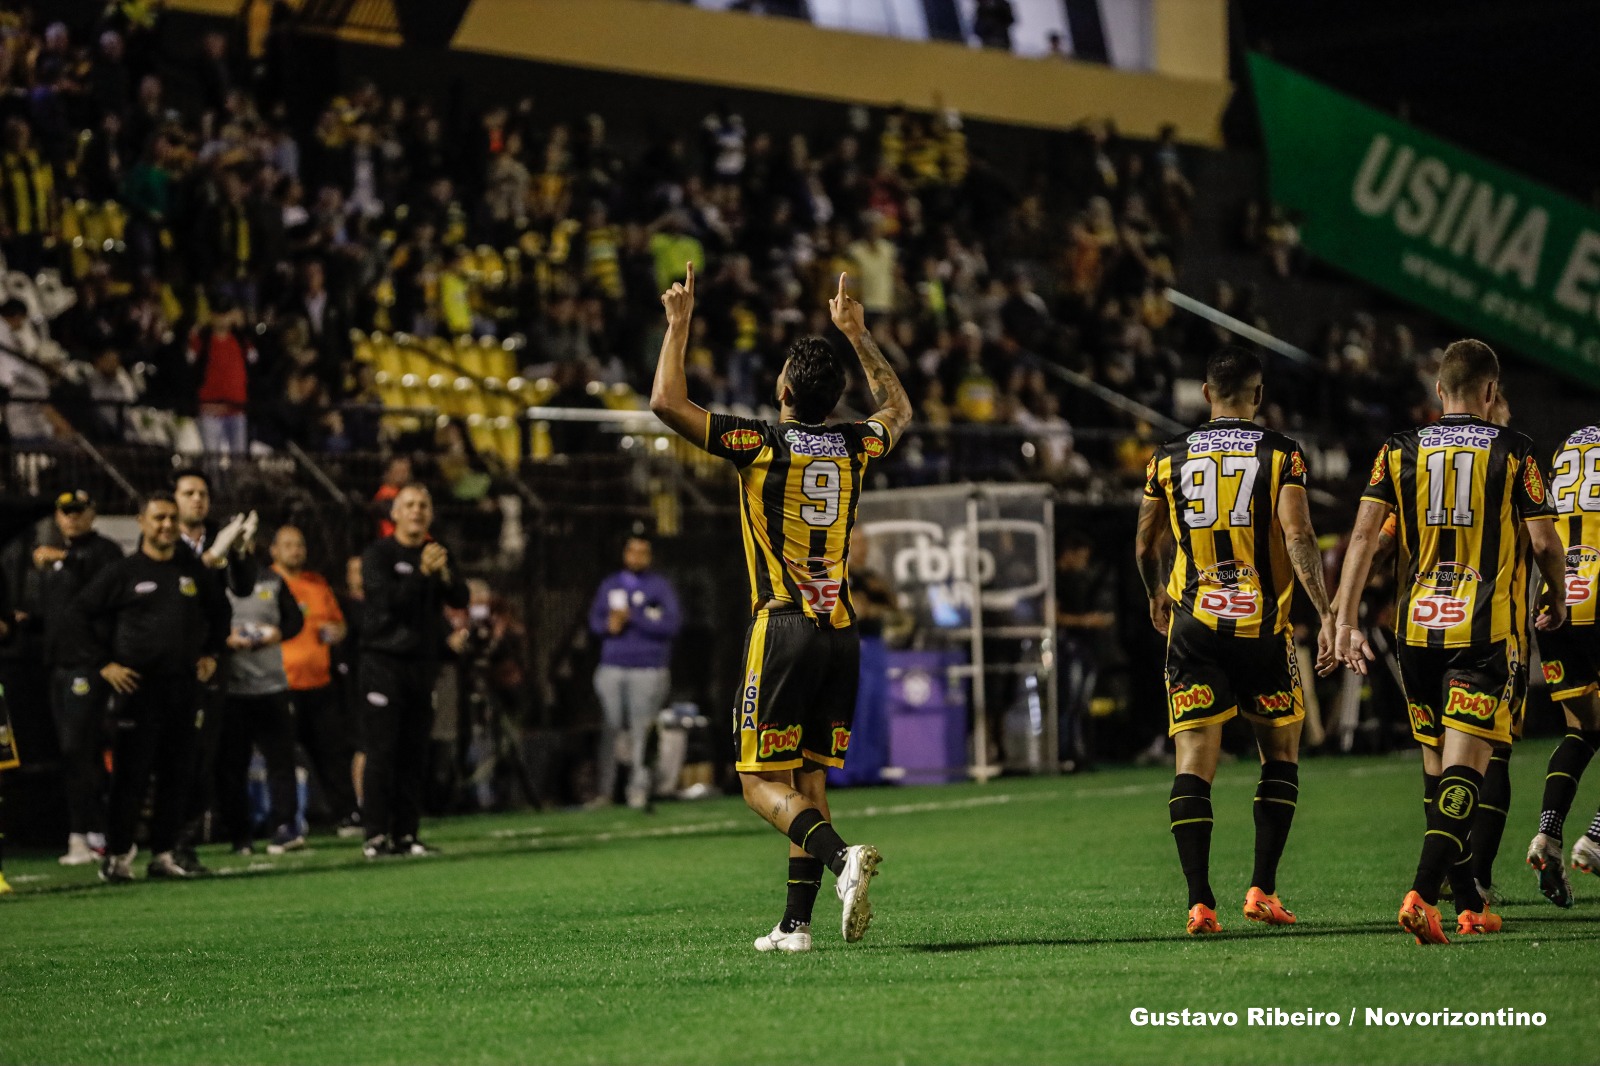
x=797 y=699
x=1211 y=677
x=1571 y=659
x=1470 y=689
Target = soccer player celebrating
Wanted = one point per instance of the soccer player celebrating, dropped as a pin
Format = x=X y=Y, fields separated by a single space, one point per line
x=1233 y=496
x=1463 y=491
x=800 y=481
x=1571 y=657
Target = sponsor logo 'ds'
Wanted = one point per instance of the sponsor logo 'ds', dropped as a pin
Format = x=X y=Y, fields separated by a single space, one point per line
x=741 y=440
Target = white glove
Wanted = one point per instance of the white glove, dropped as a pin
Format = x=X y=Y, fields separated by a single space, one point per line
x=247 y=533
x=226 y=537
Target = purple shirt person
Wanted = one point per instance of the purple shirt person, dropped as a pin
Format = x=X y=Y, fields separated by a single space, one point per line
x=635 y=614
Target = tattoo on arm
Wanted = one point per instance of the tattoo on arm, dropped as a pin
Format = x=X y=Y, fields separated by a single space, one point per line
x=1151 y=550
x=887 y=392
x=1307 y=562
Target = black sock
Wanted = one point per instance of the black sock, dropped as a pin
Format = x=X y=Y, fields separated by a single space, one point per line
x=1449 y=828
x=1276 y=795
x=1190 y=813
x=1489 y=824
x=1567 y=764
x=1430 y=788
x=1463 y=888
x=805 y=880
x=815 y=834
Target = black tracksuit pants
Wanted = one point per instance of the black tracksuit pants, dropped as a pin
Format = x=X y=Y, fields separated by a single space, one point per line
x=320 y=723
x=397 y=703
x=78 y=699
x=265 y=722
x=155 y=731
x=211 y=700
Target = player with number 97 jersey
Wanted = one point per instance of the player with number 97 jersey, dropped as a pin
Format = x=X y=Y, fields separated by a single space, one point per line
x=1221 y=482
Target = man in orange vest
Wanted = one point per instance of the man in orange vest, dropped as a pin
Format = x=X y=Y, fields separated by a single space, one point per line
x=320 y=718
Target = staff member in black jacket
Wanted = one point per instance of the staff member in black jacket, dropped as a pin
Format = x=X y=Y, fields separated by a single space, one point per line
x=228 y=553
x=408 y=581
x=68 y=556
x=154 y=626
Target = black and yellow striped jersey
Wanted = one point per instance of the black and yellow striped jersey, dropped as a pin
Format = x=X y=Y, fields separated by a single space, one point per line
x=1459 y=489
x=1220 y=482
x=799 y=487
x=1575 y=492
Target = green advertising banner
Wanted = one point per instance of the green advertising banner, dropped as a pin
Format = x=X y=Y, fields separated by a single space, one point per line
x=1505 y=257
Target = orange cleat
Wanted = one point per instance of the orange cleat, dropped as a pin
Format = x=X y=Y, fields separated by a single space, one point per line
x=1260 y=907
x=1202 y=920
x=1469 y=923
x=1421 y=920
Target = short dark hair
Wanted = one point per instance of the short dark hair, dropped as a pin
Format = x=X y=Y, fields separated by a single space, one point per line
x=1232 y=372
x=816 y=380
x=1467 y=365
x=158 y=496
x=190 y=471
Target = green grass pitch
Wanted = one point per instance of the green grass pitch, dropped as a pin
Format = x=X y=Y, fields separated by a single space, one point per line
x=1018 y=922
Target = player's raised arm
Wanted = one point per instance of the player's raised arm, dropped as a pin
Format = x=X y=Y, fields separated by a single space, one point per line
x=1294 y=513
x=1151 y=553
x=669 y=396
x=1350 y=647
x=894 y=406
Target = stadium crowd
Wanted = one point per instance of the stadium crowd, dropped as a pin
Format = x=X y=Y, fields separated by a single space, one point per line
x=216 y=255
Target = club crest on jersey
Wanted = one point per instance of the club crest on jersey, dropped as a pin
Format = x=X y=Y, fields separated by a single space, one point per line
x=774 y=741
x=741 y=440
x=1438 y=612
x=1380 y=466
x=1554 y=673
x=187 y=586
x=817 y=445
x=1533 y=481
x=1193 y=698
x=80 y=686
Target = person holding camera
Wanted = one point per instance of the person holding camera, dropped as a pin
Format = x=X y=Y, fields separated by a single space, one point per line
x=636 y=615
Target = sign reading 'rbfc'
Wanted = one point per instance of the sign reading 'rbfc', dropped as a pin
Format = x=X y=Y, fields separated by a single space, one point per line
x=1499 y=254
